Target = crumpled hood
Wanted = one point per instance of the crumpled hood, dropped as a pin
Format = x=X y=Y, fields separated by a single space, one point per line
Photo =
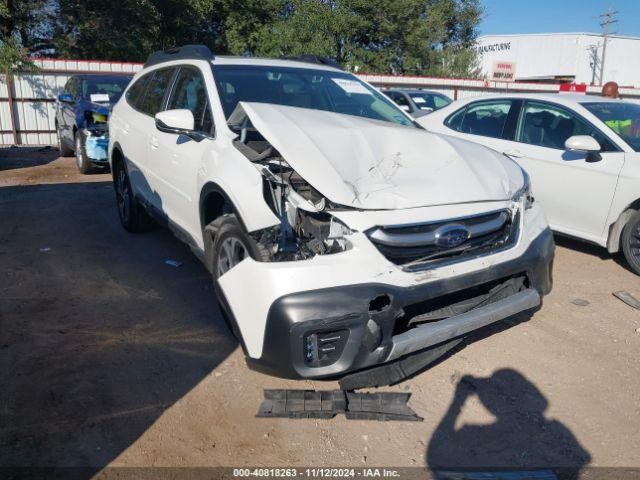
x=377 y=165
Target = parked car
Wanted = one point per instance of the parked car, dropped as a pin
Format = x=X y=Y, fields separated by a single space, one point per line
x=82 y=112
x=340 y=235
x=418 y=103
x=580 y=151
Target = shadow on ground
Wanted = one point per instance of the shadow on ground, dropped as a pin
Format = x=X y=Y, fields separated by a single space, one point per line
x=14 y=158
x=520 y=437
x=98 y=336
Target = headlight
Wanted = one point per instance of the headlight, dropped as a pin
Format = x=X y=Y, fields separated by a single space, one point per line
x=99 y=118
x=524 y=193
x=335 y=241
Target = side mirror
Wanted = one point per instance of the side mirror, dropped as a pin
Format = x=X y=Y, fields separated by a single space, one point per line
x=177 y=122
x=65 y=97
x=406 y=108
x=586 y=144
x=582 y=143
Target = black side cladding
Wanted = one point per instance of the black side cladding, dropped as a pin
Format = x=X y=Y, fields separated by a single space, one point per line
x=382 y=406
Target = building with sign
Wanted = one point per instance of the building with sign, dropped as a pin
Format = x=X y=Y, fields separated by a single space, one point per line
x=560 y=57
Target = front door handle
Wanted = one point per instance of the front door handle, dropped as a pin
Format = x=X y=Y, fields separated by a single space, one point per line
x=153 y=142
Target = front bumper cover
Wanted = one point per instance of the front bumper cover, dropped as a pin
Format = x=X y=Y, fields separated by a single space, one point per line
x=292 y=317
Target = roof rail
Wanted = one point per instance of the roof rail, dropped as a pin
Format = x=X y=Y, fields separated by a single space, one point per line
x=315 y=59
x=192 y=52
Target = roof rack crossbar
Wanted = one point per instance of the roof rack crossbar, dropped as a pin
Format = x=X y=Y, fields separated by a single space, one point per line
x=190 y=52
x=315 y=59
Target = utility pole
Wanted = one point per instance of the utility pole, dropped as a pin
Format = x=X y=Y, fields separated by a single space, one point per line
x=593 y=61
x=608 y=19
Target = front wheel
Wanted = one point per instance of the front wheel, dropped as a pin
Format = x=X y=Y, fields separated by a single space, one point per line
x=228 y=244
x=631 y=242
x=82 y=162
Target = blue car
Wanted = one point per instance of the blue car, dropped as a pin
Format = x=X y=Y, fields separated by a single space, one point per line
x=82 y=112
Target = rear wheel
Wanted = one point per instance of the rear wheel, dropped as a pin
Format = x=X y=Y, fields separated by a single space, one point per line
x=132 y=215
x=631 y=242
x=83 y=163
x=65 y=150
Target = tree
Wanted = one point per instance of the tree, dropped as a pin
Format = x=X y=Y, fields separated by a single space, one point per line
x=13 y=58
x=399 y=37
x=28 y=22
x=425 y=37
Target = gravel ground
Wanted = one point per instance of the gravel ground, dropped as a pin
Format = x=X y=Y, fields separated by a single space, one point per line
x=110 y=357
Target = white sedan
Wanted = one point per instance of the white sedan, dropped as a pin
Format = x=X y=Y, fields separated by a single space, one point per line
x=581 y=152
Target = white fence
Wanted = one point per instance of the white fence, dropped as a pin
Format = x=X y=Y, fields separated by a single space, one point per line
x=27 y=100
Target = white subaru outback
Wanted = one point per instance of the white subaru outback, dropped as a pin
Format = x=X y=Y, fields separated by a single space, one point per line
x=341 y=235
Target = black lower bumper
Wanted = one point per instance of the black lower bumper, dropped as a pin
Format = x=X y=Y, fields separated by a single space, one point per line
x=368 y=317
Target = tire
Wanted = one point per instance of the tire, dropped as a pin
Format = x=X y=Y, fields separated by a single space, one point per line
x=65 y=150
x=224 y=232
x=82 y=162
x=631 y=242
x=133 y=217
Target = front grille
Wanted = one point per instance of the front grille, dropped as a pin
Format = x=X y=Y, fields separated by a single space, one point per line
x=416 y=247
x=460 y=302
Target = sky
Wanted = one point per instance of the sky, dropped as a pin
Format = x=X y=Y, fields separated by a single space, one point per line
x=548 y=16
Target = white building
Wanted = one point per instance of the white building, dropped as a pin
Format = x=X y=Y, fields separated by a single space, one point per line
x=553 y=57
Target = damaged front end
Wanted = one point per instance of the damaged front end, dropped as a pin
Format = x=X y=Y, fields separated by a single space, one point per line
x=390 y=275
x=306 y=228
x=95 y=135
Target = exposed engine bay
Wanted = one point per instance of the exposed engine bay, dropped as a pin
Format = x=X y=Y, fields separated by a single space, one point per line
x=306 y=227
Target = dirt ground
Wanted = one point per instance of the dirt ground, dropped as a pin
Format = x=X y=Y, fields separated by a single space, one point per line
x=110 y=357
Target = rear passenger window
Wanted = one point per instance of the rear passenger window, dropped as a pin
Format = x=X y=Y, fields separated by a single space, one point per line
x=455 y=121
x=158 y=85
x=189 y=92
x=135 y=93
x=486 y=119
x=550 y=126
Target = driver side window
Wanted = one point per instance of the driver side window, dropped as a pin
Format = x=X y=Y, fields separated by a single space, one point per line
x=189 y=92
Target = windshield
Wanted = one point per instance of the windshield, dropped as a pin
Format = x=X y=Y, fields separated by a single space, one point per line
x=429 y=101
x=304 y=87
x=621 y=117
x=103 y=89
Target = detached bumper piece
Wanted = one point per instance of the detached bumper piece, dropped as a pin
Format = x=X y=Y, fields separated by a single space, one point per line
x=381 y=406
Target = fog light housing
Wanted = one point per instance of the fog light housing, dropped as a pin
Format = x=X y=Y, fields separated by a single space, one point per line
x=324 y=348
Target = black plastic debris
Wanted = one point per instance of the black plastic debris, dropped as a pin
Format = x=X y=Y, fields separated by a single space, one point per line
x=381 y=406
x=627 y=298
x=580 y=302
x=398 y=370
x=302 y=404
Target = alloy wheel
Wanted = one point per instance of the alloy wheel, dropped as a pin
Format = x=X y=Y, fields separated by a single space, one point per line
x=79 y=151
x=232 y=252
x=634 y=240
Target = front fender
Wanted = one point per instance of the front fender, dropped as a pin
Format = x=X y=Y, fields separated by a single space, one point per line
x=229 y=173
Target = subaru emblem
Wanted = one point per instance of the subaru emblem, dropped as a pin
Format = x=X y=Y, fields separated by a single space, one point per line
x=452 y=235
